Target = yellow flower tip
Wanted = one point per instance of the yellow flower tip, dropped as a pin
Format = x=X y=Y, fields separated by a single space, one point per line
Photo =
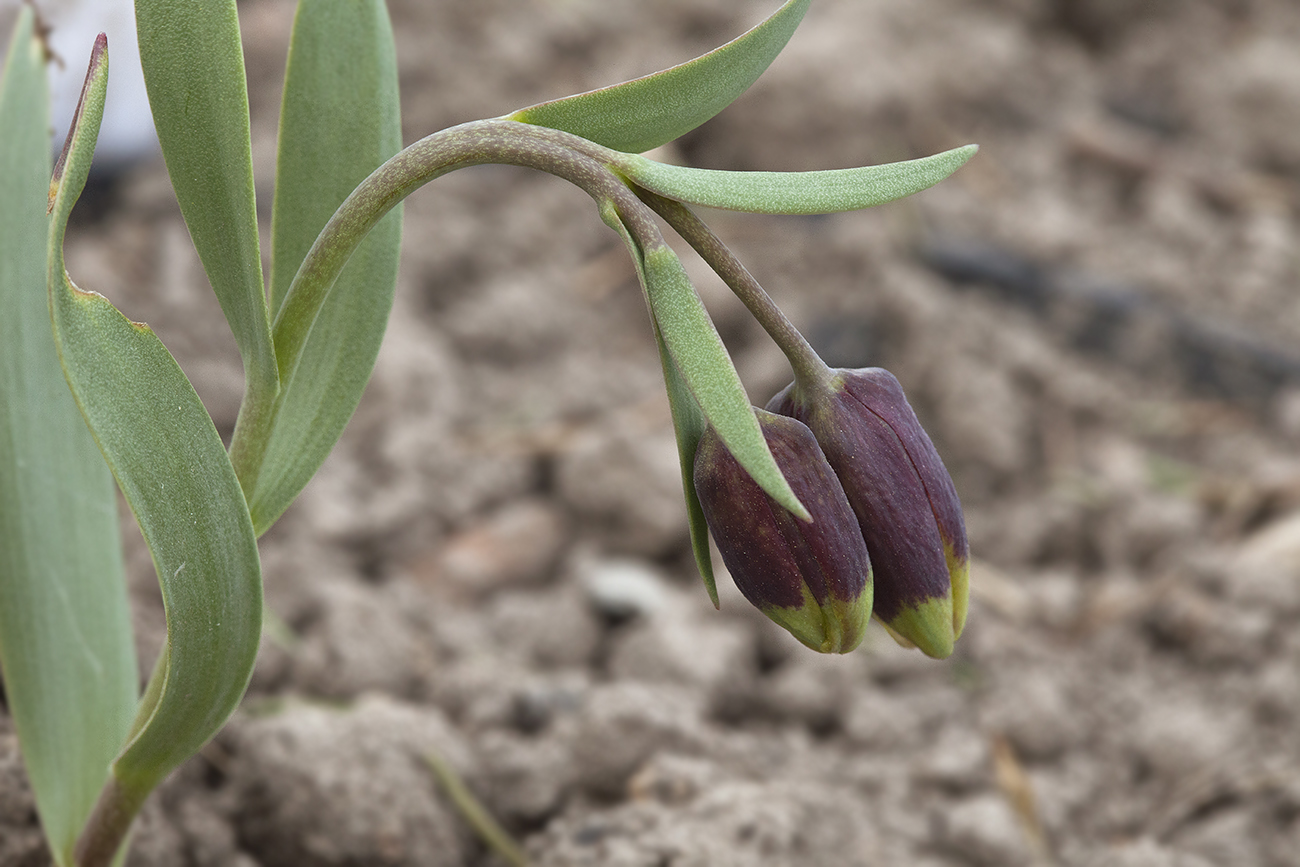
x=928 y=625
x=959 y=568
x=838 y=627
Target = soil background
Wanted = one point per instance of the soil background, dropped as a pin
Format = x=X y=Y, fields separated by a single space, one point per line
x=1096 y=319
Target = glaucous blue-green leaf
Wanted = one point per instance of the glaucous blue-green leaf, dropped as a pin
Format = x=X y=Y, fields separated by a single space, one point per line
x=688 y=427
x=339 y=120
x=194 y=73
x=66 y=650
x=706 y=369
x=688 y=421
x=822 y=192
x=173 y=470
x=646 y=112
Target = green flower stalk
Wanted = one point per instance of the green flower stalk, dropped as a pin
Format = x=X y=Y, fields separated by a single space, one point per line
x=902 y=495
x=811 y=577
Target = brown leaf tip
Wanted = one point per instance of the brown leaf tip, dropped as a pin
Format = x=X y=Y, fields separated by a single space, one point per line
x=98 y=56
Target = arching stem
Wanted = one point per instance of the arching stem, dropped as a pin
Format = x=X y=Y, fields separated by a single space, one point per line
x=482 y=142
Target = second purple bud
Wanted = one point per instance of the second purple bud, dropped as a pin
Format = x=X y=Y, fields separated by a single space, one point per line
x=902 y=495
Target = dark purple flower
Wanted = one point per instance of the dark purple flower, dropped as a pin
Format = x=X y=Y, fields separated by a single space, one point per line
x=811 y=577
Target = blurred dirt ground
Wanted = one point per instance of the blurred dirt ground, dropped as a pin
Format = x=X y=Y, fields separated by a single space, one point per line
x=1097 y=319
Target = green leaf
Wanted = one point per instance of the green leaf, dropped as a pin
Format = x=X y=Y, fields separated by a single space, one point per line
x=66 y=650
x=822 y=192
x=707 y=371
x=688 y=426
x=646 y=112
x=688 y=419
x=170 y=464
x=194 y=72
x=339 y=120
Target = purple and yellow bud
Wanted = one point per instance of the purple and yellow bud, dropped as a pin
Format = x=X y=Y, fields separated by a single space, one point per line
x=811 y=577
x=903 y=497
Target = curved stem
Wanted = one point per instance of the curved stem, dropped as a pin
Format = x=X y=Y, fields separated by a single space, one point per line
x=480 y=142
x=810 y=371
x=501 y=142
x=476 y=143
x=108 y=826
x=252 y=426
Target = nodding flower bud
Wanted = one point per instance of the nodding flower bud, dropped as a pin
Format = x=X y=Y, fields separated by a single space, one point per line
x=903 y=497
x=811 y=577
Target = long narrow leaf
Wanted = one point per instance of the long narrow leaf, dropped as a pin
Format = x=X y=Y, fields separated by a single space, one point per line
x=688 y=420
x=706 y=369
x=173 y=470
x=339 y=121
x=194 y=72
x=646 y=112
x=688 y=427
x=823 y=192
x=65 y=630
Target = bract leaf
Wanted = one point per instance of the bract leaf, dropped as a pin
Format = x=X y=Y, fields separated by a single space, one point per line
x=194 y=72
x=646 y=112
x=688 y=420
x=688 y=426
x=66 y=650
x=171 y=466
x=708 y=373
x=822 y=192
x=339 y=120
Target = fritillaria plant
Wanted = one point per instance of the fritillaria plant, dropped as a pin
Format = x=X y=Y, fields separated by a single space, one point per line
x=86 y=394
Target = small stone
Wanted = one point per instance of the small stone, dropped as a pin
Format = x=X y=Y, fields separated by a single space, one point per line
x=624 y=589
x=209 y=836
x=672 y=779
x=684 y=641
x=958 y=760
x=1179 y=736
x=983 y=831
x=1266 y=572
x=624 y=724
x=813 y=689
x=1277 y=699
x=360 y=641
x=536 y=705
x=553 y=628
x=155 y=841
x=516 y=545
x=524 y=780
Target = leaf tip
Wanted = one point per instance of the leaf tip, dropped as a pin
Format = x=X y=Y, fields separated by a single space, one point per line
x=800 y=511
x=98 y=58
x=960 y=156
